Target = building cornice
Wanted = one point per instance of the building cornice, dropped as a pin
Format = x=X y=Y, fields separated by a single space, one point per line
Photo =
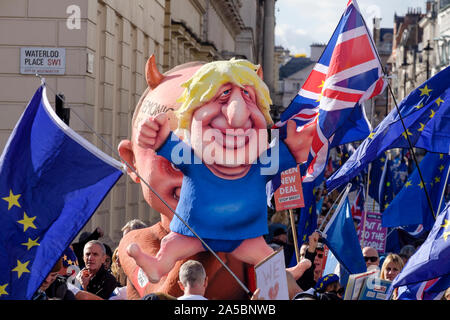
x=228 y=11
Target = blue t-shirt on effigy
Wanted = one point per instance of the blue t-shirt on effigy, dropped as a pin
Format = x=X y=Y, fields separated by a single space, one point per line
x=222 y=209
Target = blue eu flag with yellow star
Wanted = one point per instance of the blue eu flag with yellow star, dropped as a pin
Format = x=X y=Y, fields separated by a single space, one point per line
x=410 y=206
x=51 y=182
x=426 y=115
x=432 y=259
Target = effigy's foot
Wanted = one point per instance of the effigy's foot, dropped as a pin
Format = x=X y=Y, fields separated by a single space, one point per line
x=146 y=262
x=298 y=270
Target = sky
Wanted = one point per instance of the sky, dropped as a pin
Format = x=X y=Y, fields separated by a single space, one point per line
x=299 y=23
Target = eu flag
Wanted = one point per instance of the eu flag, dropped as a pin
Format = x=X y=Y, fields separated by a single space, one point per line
x=342 y=239
x=410 y=206
x=426 y=115
x=432 y=259
x=51 y=182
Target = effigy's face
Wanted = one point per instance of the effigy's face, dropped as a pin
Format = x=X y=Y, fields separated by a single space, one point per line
x=229 y=132
x=159 y=173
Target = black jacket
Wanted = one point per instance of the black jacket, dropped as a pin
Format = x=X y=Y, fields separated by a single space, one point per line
x=102 y=284
x=306 y=281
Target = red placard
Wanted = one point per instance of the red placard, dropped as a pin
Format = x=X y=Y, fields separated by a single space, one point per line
x=290 y=194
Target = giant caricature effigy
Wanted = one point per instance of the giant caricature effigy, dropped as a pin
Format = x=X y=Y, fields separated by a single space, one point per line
x=221 y=149
x=160 y=97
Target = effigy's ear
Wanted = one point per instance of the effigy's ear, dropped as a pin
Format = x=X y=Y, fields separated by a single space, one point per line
x=259 y=72
x=152 y=74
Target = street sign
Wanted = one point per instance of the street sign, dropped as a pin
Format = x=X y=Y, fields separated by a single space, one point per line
x=42 y=60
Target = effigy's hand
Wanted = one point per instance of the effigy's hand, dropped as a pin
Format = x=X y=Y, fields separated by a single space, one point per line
x=153 y=132
x=299 y=142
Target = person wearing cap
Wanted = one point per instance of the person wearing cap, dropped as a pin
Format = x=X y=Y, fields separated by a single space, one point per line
x=330 y=287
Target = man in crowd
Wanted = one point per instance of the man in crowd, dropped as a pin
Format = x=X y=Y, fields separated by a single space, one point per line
x=94 y=278
x=193 y=281
x=371 y=257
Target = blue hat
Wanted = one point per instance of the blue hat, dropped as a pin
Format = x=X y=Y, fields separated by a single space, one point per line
x=323 y=282
x=69 y=257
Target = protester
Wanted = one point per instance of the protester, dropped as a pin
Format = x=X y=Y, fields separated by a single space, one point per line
x=94 y=278
x=133 y=225
x=330 y=286
x=327 y=288
x=371 y=257
x=193 y=281
x=108 y=258
x=117 y=270
x=391 y=267
x=56 y=287
x=308 y=251
x=120 y=292
x=84 y=238
x=406 y=252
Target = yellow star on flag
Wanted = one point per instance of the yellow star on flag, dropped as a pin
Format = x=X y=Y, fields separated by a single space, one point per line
x=441 y=168
x=27 y=222
x=432 y=113
x=445 y=235
x=12 y=199
x=446 y=224
x=406 y=133
x=425 y=91
x=422 y=126
x=421 y=185
x=31 y=243
x=439 y=101
x=408 y=184
x=21 y=268
x=319 y=98
x=3 y=290
x=419 y=106
x=437 y=179
x=371 y=135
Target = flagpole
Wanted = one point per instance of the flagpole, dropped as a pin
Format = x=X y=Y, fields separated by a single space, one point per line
x=341 y=202
x=331 y=208
x=294 y=234
x=403 y=123
x=159 y=197
x=443 y=191
x=364 y=206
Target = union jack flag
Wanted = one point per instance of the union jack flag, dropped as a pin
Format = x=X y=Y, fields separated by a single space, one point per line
x=347 y=74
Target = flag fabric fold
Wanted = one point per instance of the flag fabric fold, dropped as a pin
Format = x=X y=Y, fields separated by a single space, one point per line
x=51 y=182
x=432 y=258
x=410 y=206
x=342 y=240
x=426 y=115
x=427 y=290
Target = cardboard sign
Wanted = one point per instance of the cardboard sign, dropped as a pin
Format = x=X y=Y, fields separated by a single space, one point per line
x=42 y=60
x=289 y=195
x=271 y=277
x=374 y=234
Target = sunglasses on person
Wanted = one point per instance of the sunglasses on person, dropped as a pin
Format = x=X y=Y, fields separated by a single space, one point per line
x=372 y=259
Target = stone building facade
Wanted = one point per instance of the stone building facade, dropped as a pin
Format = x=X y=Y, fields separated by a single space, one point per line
x=106 y=44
